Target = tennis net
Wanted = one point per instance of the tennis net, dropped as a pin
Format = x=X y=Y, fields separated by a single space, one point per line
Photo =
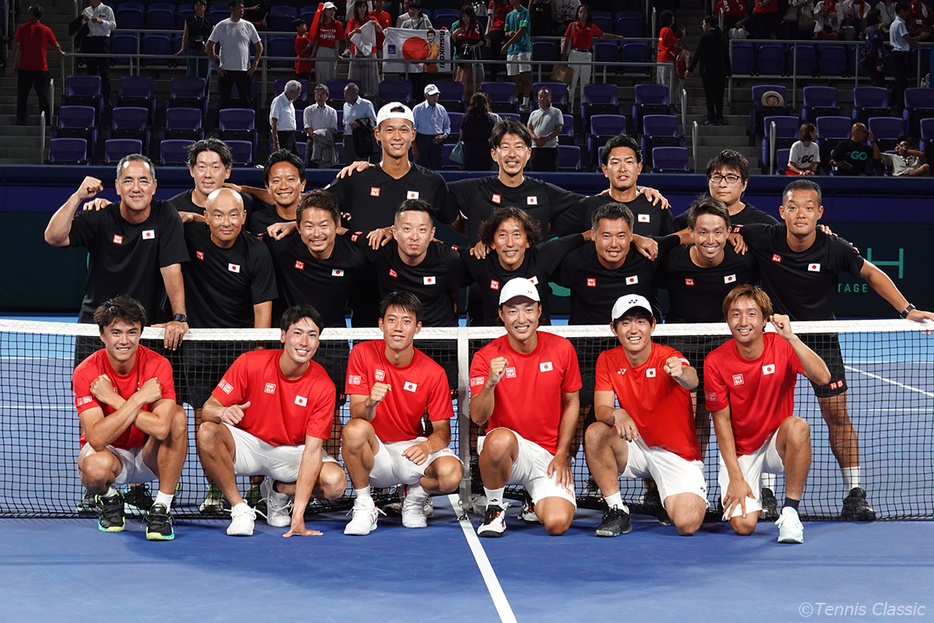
x=890 y=400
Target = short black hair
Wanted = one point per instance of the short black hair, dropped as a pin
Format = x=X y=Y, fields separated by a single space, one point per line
x=234 y=3
x=297 y=312
x=201 y=2
x=283 y=155
x=414 y=205
x=533 y=231
x=216 y=145
x=803 y=185
x=121 y=307
x=620 y=140
x=707 y=205
x=612 y=211
x=322 y=200
x=729 y=159
x=415 y=4
x=297 y=22
x=905 y=139
x=711 y=21
x=36 y=11
x=403 y=300
x=509 y=126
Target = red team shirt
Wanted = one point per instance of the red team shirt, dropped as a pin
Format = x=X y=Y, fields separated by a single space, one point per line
x=418 y=386
x=582 y=38
x=329 y=34
x=281 y=411
x=659 y=406
x=759 y=393
x=530 y=396
x=149 y=364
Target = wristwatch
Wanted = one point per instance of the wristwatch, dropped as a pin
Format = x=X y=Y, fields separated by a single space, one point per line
x=907 y=311
x=180 y=318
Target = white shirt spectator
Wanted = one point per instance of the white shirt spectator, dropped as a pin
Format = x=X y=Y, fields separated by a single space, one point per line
x=897 y=34
x=283 y=112
x=803 y=157
x=834 y=17
x=234 y=39
x=108 y=22
x=320 y=117
x=544 y=122
x=360 y=109
x=901 y=165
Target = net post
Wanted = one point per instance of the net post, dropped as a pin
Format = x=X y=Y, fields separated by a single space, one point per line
x=463 y=415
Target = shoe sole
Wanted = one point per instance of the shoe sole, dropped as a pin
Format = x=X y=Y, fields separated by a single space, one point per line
x=610 y=533
x=790 y=539
x=155 y=536
x=359 y=533
x=285 y=523
x=111 y=529
x=229 y=533
x=490 y=534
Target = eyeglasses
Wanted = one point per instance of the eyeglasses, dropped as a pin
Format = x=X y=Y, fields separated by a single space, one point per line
x=730 y=178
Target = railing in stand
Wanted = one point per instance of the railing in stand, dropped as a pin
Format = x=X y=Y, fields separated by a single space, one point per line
x=773 y=132
x=694 y=138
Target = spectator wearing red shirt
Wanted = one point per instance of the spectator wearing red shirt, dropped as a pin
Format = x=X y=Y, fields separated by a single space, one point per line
x=749 y=385
x=669 y=44
x=735 y=13
x=132 y=429
x=652 y=434
x=30 y=66
x=578 y=39
x=384 y=20
x=525 y=384
x=765 y=19
x=496 y=34
x=392 y=386
x=303 y=47
x=327 y=44
x=271 y=414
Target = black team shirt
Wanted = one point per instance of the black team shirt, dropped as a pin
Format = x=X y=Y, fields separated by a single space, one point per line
x=125 y=258
x=183 y=203
x=324 y=284
x=372 y=196
x=594 y=288
x=435 y=281
x=538 y=265
x=696 y=294
x=649 y=220
x=261 y=219
x=749 y=214
x=223 y=285
x=477 y=198
x=802 y=285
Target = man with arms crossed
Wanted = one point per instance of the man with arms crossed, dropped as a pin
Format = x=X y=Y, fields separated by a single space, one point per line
x=525 y=384
x=132 y=430
x=271 y=414
x=391 y=386
x=750 y=387
x=652 y=433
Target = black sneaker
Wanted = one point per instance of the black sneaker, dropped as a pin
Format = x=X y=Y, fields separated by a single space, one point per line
x=111 y=517
x=769 y=505
x=616 y=521
x=527 y=512
x=140 y=497
x=159 y=524
x=494 y=522
x=856 y=508
x=88 y=504
x=654 y=507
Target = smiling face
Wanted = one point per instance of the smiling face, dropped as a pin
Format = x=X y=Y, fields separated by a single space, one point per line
x=746 y=320
x=300 y=342
x=511 y=155
x=208 y=172
x=634 y=332
x=136 y=185
x=399 y=327
x=285 y=185
x=520 y=316
x=509 y=243
x=801 y=210
x=611 y=240
x=622 y=169
x=413 y=233
x=395 y=136
x=709 y=233
x=121 y=341
x=318 y=231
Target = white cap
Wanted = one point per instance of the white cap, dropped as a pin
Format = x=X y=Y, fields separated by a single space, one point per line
x=625 y=303
x=386 y=112
x=431 y=89
x=518 y=287
x=329 y=5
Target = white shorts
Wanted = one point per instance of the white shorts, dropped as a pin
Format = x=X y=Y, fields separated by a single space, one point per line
x=765 y=459
x=133 y=471
x=531 y=471
x=255 y=456
x=390 y=468
x=518 y=63
x=673 y=474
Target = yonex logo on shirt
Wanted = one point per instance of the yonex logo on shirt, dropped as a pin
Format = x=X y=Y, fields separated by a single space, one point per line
x=769 y=369
x=234 y=268
x=510 y=373
x=729 y=279
x=410 y=386
x=644 y=218
x=776 y=257
x=270 y=388
x=631 y=281
x=301 y=401
x=496 y=198
x=688 y=281
x=621 y=371
x=429 y=281
x=118 y=239
x=494 y=284
x=199 y=255
x=814 y=268
x=545 y=366
x=337 y=272
x=591 y=282
x=393 y=273
x=532 y=201
x=380 y=375
x=149 y=234
x=650 y=373
x=299 y=265
x=738 y=379
x=225 y=386
x=374 y=191
x=412 y=194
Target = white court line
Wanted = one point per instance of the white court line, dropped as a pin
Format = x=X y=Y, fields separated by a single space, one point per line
x=486 y=569
x=896 y=383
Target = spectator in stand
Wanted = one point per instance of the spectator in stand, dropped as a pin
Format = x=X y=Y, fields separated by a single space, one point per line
x=101 y=24
x=363 y=71
x=256 y=14
x=545 y=124
x=359 y=117
x=872 y=56
x=475 y=132
x=432 y=127
x=327 y=44
x=282 y=117
x=303 y=47
x=543 y=16
x=565 y=13
x=467 y=41
x=828 y=16
x=920 y=20
x=518 y=49
x=30 y=64
x=669 y=45
x=715 y=67
x=384 y=20
x=855 y=13
x=851 y=155
x=495 y=31
x=416 y=20
x=321 y=127
x=804 y=158
x=735 y=13
x=887 y=12
x=902 y=42
x=403 y=14
x=765 y=19
x=234 y=36
x=198 y=28
x=907 y=161
x=575 y=48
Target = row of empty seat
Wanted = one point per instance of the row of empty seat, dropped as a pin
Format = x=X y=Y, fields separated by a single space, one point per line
x=806 y=59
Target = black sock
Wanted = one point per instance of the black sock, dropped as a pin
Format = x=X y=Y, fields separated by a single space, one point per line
x=791 y=503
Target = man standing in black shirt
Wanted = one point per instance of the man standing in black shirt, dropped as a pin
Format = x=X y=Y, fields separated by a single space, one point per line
x=800 y=267
x=135 y=245
x=209 y=163
x=715 y=68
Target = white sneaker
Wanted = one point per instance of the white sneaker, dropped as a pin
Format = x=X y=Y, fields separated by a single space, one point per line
x=494 y=521
x=527 y=512
x=278 y=505
x=413 y=507
x=242 y=518
x=789 y=525
x=363 y=521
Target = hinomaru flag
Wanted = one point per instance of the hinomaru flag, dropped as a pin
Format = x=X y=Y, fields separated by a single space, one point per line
x=428 y=51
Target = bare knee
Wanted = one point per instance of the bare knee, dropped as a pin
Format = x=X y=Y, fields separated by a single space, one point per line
x=332 y=481
x=557 y=524
x=448 y=472
x=209 y=435
x=744 y=527
x=499 y=445
x=597 y=434
x=355 y=433
x=179 y=426
x=97 y=471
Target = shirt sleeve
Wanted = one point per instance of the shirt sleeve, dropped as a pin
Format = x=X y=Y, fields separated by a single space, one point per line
x=551 y=252
x=797 y=150
x=845 y=256
x=321 y=419
x=233 y=386
x=479 y=369
x=263 y=282
x=84 y=227
x=254 y=35
x=462 y=193
x=604 y=382
x=572 y=372
x=173 y=249
x=215 y=34
x=716 y=393
x=561 y=200
x=358 y=381
x=81 y=382
x=163 y=371
x=439 y=402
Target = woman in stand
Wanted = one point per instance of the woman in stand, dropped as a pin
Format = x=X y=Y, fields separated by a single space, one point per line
x=327 y=44
x=475 y=133
x=467 y=41
x=575 y=48
x=804 y=157
x=366 y=73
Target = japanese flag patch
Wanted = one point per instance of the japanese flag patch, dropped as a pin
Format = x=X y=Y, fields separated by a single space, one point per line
x=645 y=218
x=412 y=194
x=337 y=272
x=234 y=268
x=531 y=200
x=429 y=281
x=650 y=373
x=410 y=386
x=729 y=279
x=149 y=234
x=769 y=369
x=545 y=366
x=631 y=281
x=301 y=401
x=814 y=268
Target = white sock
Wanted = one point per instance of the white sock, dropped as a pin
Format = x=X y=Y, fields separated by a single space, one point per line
x=615 y=501
x=110 y=491
x=526 y=101
x=494 y=497
x=768 y=481
x=363 y=497
x=850 y=478
x=165 y=498
x=415 y=492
